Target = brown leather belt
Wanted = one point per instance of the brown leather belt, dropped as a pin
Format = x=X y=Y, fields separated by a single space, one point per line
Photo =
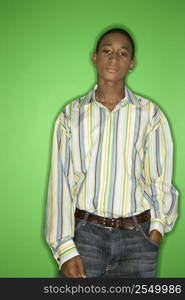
x=121 y=223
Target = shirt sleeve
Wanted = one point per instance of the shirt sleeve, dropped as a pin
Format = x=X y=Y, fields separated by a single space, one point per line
x=158 y=164
x=59 y=222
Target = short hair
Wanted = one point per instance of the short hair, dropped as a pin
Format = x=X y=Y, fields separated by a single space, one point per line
x=118 y=30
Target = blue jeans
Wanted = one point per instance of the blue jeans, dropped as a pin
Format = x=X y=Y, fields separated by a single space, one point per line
x=112 y=252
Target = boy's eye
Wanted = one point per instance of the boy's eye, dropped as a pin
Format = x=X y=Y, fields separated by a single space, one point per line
x=107 y=51
x=123 y=53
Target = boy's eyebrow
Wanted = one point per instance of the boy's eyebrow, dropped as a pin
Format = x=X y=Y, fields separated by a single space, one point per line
x=109 y=44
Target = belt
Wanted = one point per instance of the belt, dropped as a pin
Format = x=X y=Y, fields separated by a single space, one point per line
x=121 y=223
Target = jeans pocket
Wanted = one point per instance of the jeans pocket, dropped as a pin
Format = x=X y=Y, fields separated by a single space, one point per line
x=144 y=230
x=152 y=242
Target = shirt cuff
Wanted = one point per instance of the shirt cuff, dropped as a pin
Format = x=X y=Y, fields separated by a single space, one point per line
x=65 y=252
x=156 y=224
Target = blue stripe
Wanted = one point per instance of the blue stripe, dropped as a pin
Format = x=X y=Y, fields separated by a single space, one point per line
x=113 y=166
x=67 y=157
x=60 y=187
x=99 y=157
x=155 y=201
x=134 y=153
x=81 y=139
x=148 y=198
x=159 y=169
x=174 y=200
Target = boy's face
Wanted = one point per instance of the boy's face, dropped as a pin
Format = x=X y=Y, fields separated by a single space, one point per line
x=114 y=58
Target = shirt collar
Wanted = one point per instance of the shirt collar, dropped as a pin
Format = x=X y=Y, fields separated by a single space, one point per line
x=129 y=97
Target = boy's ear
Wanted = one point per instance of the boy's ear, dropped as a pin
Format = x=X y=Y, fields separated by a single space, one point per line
x=94 y=58
x=132 y=65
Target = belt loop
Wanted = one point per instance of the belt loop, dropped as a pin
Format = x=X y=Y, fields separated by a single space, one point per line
x=138 y=226
x=86 y=216
x=136 y=223
x=82 y=221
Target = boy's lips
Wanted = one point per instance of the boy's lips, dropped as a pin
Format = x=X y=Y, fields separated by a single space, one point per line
x=111 y=69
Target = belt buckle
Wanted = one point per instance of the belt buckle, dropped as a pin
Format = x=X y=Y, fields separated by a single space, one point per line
x=108 y=227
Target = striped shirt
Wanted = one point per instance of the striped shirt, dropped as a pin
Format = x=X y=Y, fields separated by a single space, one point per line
x=110 y=163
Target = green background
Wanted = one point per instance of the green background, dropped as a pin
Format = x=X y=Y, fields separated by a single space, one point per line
x=45 y=62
